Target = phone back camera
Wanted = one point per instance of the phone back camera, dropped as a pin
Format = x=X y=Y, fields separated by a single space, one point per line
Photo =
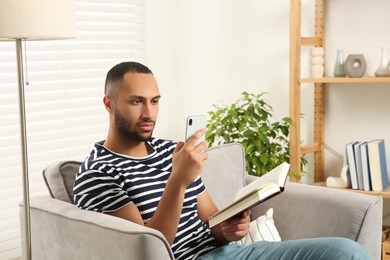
x=190 y=122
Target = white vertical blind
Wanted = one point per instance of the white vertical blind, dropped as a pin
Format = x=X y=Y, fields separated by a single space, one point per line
x=65 y=115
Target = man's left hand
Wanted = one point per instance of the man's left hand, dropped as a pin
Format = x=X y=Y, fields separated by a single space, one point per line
x=236 y=227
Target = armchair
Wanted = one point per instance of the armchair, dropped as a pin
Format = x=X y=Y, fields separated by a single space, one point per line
x=60 y=230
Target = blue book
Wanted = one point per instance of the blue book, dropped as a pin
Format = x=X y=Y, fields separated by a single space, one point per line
x=378 y=165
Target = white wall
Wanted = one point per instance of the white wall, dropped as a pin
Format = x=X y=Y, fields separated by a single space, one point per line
x=203 y=52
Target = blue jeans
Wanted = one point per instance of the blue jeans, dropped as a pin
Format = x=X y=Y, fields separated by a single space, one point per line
x=317 y=249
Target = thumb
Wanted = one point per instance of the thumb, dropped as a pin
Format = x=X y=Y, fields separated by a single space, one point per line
x=246 y=213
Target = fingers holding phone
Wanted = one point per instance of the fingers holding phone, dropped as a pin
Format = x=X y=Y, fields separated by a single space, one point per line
x=188 y=158
x=196 y=132
x=197 y=141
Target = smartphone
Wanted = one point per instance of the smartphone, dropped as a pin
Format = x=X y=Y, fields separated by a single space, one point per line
x=195 y=123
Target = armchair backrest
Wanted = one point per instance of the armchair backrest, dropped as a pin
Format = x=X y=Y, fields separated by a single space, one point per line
x=59 y=178
x=224 y=172
x=223 y=175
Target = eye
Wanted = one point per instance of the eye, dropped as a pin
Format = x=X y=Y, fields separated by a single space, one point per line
x=136 y=101
x=155 y=101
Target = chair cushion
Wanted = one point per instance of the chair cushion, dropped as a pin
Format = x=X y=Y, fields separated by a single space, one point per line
x=59 y=178
x=262 y=229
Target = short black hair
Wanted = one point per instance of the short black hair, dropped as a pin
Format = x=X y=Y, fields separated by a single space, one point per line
x=117 y=73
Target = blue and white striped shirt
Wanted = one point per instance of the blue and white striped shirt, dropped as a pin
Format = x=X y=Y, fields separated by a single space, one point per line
x=107 y=181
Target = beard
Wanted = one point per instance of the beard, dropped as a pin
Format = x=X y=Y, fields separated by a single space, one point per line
x=124 y=127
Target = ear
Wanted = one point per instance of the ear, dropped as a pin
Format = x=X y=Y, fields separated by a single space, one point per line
x=108 y=103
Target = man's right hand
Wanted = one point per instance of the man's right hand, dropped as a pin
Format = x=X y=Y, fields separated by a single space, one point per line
x=188 y=159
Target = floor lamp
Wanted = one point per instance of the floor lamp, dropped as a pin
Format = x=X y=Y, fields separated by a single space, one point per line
x=22 y=20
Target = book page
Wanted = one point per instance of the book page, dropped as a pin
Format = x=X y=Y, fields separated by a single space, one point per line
x=259 y=190
x=277 y=175
x=262 y=193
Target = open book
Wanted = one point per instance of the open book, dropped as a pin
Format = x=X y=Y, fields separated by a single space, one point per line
x=265 y=187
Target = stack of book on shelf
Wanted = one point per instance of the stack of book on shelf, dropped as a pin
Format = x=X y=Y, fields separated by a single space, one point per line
x=367 y=165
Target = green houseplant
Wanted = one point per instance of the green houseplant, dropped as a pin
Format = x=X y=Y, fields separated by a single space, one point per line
x=249 y=121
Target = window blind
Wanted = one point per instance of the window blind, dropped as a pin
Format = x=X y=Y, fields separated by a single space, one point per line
x=65 y=114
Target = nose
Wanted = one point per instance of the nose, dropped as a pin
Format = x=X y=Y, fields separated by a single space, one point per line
x=147 y=111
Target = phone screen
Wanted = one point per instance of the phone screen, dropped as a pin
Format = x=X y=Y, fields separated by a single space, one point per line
x=195 y=123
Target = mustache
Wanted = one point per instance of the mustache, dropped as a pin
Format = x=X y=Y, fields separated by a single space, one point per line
x=143 y=121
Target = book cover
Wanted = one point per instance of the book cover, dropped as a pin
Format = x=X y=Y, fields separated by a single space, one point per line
x=352 y=165
x=378 y=164
x=264 y=188
x=382 y=155
x=358 y=164
x=365 y=166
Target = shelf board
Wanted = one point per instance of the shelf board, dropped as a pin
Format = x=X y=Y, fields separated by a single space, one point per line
x=385 y=194
x=346 y=80
x=314 y=147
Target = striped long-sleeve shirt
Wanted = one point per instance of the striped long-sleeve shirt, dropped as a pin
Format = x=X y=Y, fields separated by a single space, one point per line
x=107 y=181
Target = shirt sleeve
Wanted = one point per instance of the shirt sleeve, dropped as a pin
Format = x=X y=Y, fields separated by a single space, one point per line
x=200 y=186
x=97 y=191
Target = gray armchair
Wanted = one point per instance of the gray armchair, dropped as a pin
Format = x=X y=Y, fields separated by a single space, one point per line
x=60 y=230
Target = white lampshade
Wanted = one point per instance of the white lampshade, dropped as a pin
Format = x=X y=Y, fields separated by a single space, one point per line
x=37 y=19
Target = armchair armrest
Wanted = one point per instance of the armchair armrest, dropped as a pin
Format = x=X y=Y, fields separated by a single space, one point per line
x=305 y=211
x=60 y=230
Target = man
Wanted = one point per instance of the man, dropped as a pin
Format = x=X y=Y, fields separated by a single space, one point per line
x=156 y=183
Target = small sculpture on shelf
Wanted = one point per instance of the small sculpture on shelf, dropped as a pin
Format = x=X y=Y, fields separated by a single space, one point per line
x=317 y=62
x=355 y=66
x=340 y=182
x=388 y=69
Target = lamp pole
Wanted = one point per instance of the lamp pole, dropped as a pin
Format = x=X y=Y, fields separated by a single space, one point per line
x=42 y=20
x=23 y=141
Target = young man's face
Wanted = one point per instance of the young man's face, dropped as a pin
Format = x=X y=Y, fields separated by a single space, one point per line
x=136 y=106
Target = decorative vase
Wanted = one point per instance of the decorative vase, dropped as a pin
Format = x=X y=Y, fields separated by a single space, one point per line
x=382 y=71
x=388 y=68
x=339 y=70
x=355 y=66
x=317 y=62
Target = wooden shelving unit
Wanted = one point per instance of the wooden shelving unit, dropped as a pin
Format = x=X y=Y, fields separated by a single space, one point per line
x=385 y=194
x=296 y=43
x=346 y=80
